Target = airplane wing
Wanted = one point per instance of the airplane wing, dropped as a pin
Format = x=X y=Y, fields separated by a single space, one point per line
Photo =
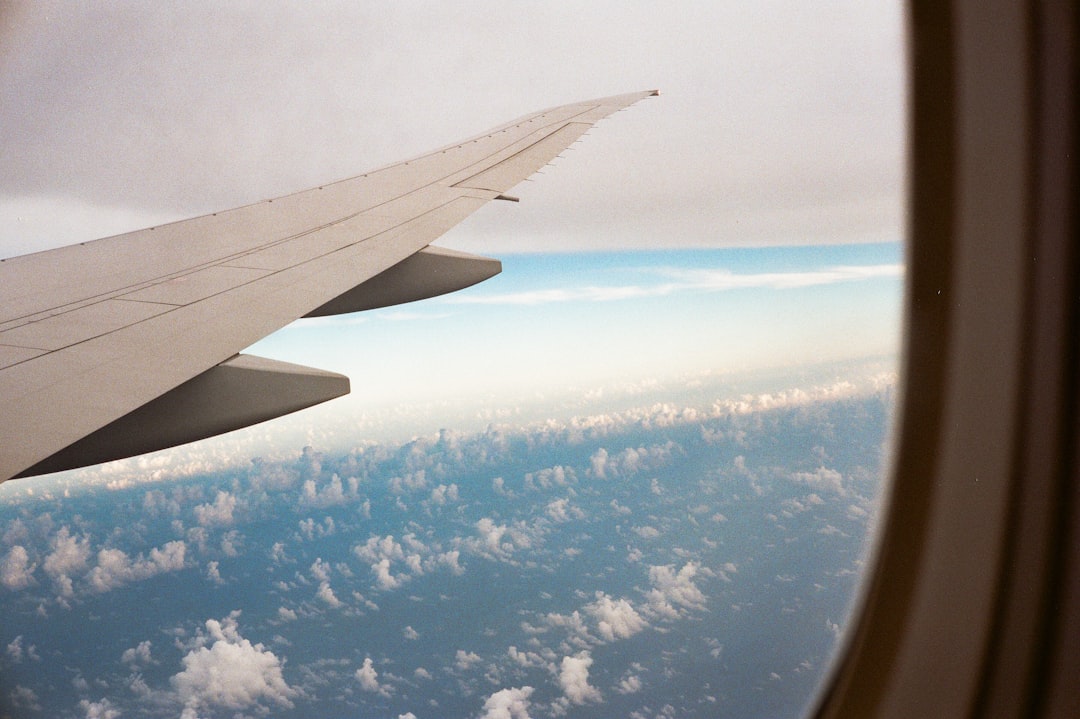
x=130 y=344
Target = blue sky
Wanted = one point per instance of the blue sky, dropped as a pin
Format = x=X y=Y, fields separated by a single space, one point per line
x=558 y=323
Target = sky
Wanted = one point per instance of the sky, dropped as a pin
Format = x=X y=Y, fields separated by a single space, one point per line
x=778 y=122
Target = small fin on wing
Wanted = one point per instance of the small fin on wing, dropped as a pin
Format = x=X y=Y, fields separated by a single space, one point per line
x=430 y=272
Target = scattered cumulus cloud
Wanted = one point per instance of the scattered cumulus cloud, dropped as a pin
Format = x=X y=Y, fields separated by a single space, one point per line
x=821 y=479
x=137 y=655
x=326 y=594
x=16 y=570
x=508 y=704
x=220 y=513
x=369 y=679
x=16 y=652
x=647 y=532
x=560 y=510
x=24 y=698
x=499 y=541
x=227 y=671
x=574 y=679
x=686 y=280
x=320 y=570
x=443 y=494
x=331 y=494
x=463 y=660
x=115 y=568
x=673 y=591
x=69 y=556
x=615 y=618
x=99 y=710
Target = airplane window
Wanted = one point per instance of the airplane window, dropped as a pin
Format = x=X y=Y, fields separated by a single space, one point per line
x=634 y=475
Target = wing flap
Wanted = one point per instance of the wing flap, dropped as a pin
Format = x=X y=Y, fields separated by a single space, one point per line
x=239 y=392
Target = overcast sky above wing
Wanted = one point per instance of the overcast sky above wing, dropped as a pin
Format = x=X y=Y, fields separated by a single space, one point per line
x=779 y=122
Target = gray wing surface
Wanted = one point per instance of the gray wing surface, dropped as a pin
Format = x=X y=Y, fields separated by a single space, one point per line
x=129 y=344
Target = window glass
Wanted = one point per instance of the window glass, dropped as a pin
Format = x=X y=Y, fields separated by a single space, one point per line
x=633 y=475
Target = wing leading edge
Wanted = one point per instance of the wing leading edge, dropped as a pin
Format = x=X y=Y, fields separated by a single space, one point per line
x=105 y=344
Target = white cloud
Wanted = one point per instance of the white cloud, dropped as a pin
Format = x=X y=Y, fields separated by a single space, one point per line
x=16 y=652
x=231 y=673
x=443 y=494
x=673 y=591
x=560 y=510
x=229 y=542
x=822 y=478
x=410 y=482
x=450 y=561
x=574 y=679
x=598 y=463
x=369 y=679
x=615 y=619
x=16 y=571
x=557 y=476
x=24 y=698
x=220 y=513
x=285 y=614
x=114 y=567
x=311 y=530
x=508 y=704
x=326 y=594
x=382 y=552
x=630 y=684
x=320 y=570
x=377 y=548
x=410 y=633
x=277 y=553
x=463 y=660
x=137 y=655
x=383 y=577
x=499 y=541
x=99 y=710
x=573 y=623
x=69 y=555
x=687 y=280
x=332 y=494
x=527 y=658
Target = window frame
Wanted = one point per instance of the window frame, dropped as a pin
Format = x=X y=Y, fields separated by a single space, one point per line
x=972 y=606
